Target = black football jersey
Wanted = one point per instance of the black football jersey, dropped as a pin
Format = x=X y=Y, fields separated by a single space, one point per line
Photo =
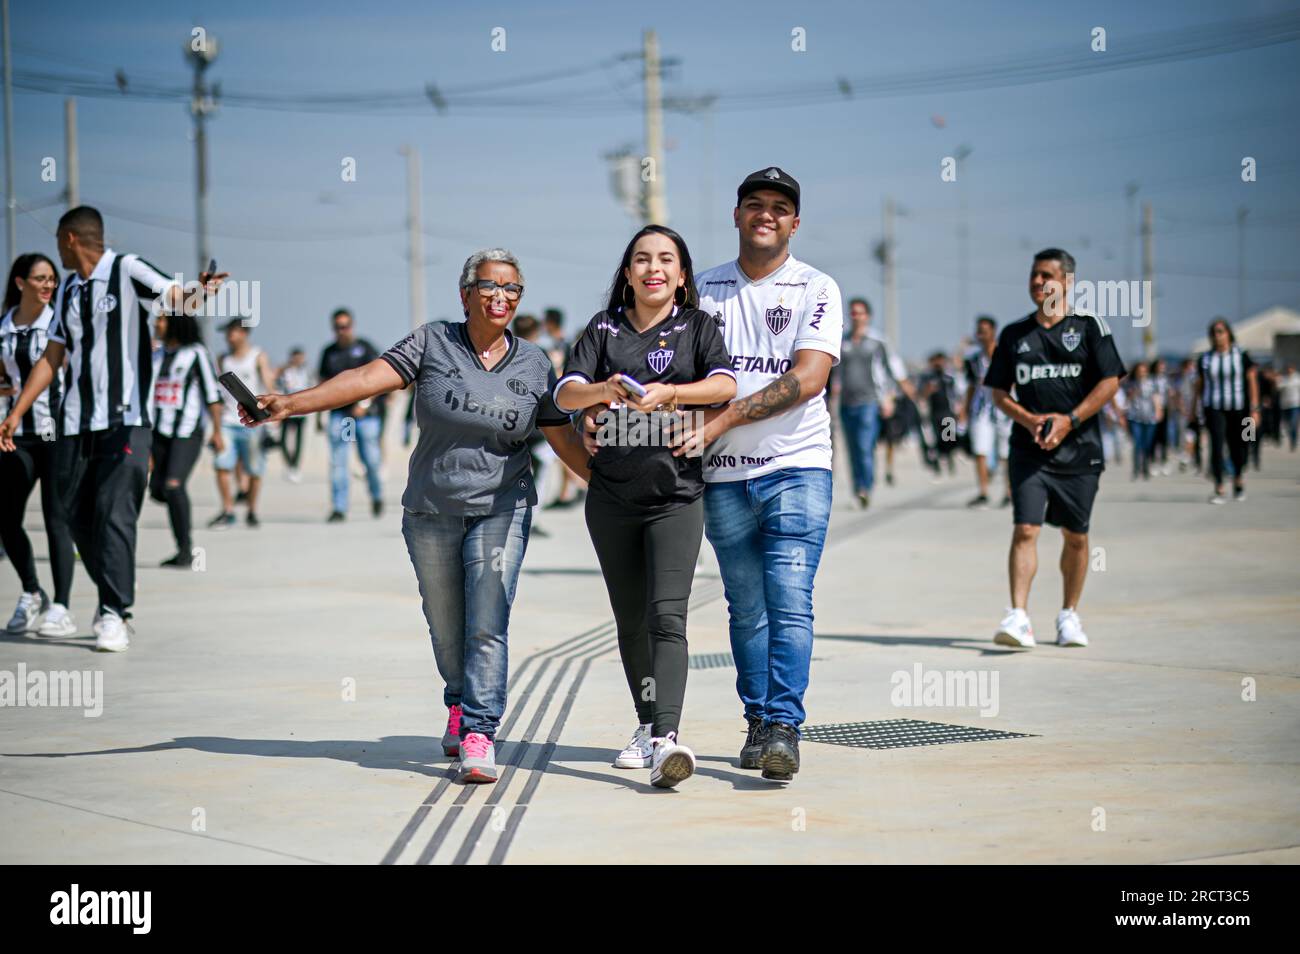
x=1051 y=370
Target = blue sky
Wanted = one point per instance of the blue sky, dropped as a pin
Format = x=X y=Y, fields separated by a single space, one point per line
x=1049 y=165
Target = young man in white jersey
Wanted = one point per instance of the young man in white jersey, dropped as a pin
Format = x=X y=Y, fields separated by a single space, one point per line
x=767 y=460
x=252 y=366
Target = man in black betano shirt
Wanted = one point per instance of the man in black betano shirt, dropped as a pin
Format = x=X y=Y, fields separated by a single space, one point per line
x=1064 y=368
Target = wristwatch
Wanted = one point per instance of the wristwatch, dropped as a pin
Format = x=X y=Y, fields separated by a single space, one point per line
x=1074 y=421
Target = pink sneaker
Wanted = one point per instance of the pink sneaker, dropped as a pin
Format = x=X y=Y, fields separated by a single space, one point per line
x=478 y=761
x=451 y=738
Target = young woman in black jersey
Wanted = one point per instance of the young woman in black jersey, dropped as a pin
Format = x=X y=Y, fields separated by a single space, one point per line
x=650 y=356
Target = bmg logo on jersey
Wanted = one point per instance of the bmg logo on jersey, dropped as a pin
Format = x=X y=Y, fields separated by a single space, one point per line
x=497 y=409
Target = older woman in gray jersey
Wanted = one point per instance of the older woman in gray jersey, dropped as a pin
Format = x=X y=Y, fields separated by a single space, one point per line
x=479 y=392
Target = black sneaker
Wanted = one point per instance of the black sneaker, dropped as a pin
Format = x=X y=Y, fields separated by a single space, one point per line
x=979 y=503
x=754 y=739
x=221 y=521
x=1006 y=501
x=864 y=499
x=178 y=562
x=336 y=517
x=252 y=520
x=377 y=508
x=779 y=759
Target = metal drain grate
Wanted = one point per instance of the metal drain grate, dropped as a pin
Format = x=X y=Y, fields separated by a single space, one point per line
x=712 y=661
x=901 y=734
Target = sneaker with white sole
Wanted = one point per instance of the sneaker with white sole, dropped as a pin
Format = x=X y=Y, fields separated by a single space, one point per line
x=671 y=763
x=639 y=750
x=1069 y=631
x=1015 y=630
x=27 y=614
x=478 y=759
x=112 y=634
x=58 y=622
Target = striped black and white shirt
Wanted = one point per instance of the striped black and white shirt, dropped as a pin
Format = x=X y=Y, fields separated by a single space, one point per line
x=1223 y=379
x=104 y=322
x=21 y=346
x=184 y=386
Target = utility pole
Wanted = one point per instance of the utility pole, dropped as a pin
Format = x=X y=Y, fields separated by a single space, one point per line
x=890 y=279
x=415 y=234
x=70 y=168
x=1241 y=263
x=201 y=51
x=656 y=206
x=1130 y=194
x=11 y=204
x=1149 y=277
x=963 y=237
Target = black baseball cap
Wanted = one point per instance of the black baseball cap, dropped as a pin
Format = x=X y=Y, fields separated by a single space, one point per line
x=773 y=177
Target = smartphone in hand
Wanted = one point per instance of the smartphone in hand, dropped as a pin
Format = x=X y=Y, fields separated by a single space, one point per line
x=1045 y=429
x=247 y=400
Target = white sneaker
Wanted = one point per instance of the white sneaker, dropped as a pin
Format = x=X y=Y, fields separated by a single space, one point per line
x=28 y=612
x=1069 y=631
x=671 y=763
x=112 y=634
x=1015 y=630
x=294 y=475
x=1218 y=498
x=637 y=753
x=58 y=622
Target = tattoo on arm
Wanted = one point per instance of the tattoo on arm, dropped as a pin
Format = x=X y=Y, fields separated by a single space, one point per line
x=780 y=395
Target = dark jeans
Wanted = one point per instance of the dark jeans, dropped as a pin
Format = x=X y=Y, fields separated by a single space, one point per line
x=1144 y=434
x=101 y=477
x=648 y=560
x=33 y=460
x=1226 y=427
x=173 y=461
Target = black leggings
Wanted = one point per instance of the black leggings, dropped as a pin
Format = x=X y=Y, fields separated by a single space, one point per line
x=648 y=560
x=291 y=440
x=1226 y=427
x=32 y=460
x=173 y=460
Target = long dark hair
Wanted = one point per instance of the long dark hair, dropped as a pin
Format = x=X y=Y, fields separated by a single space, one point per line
x=183 y=330
x=618 y=288
x=1232 y=339
x=23 y=266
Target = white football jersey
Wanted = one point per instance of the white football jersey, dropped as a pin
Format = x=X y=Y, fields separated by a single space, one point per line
x=763 y=324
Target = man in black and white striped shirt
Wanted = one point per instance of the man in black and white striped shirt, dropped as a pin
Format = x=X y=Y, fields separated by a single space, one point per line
x=101 y=322
x=1229 y=386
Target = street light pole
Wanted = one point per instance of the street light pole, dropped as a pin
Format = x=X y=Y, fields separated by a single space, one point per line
x=201 y=51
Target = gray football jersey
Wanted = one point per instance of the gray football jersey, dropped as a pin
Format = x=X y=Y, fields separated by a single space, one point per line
x=472 y=457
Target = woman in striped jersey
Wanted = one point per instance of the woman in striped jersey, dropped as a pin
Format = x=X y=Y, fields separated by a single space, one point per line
x=1230 y=398
x=184 y=385
x=23 y=334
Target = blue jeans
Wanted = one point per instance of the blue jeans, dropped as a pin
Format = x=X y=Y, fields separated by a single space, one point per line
x=861 y=429
x=1144 y=435
x=768 y=534
x=467 y=568
x=365 y=434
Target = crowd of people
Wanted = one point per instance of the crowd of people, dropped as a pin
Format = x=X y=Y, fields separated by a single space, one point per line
x=693 y=405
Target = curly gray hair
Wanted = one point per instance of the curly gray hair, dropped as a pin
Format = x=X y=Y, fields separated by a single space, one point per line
x=469 y=274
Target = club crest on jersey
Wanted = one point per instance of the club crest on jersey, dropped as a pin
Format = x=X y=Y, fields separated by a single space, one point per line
x=778 y=319
x=107 y=303
x=1071 y=338
x=658 y=360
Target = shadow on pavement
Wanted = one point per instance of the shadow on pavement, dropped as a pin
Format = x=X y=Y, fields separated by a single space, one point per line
x=405 y=753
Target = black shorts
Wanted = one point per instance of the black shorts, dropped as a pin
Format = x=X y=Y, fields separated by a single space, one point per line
x=1063 y=500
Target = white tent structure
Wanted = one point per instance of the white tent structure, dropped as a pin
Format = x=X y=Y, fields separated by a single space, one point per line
x=1257 y=332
